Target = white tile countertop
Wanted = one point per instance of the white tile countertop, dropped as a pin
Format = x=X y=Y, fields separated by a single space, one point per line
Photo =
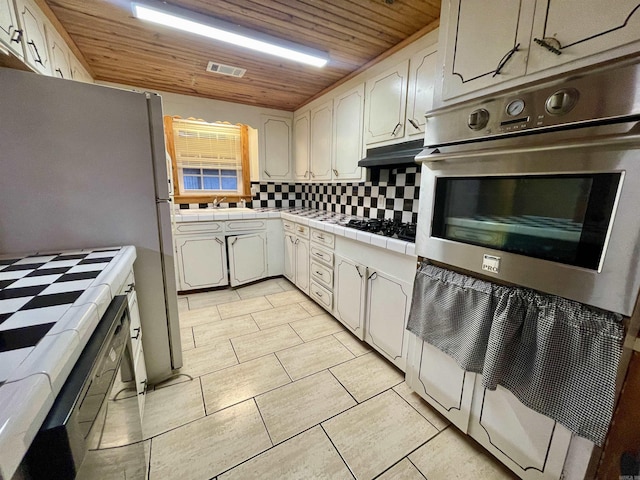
x=319 y=219
x=50 y=304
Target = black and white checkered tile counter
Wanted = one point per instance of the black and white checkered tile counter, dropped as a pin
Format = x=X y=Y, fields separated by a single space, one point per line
x=50 y=304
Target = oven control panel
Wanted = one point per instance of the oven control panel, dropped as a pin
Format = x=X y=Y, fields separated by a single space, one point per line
x=577 y=99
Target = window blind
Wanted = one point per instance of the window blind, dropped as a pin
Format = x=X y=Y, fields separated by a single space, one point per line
x=207 y=145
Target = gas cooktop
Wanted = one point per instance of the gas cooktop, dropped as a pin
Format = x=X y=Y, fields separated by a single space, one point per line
x=388 y=228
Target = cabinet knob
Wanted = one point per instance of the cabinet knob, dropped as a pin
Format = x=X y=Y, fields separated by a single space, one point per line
x=551 y=44
x=478 y=119
x=562 y=101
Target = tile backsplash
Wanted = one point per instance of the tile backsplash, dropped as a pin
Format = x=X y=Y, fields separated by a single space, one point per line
x=388 y=194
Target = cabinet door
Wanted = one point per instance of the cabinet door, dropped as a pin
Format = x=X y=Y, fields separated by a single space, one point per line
x=479 y=40
x=301 y=129
x=276 y=148
x=350 y=289
x=247 y=258
x=572 y=27
x=532 y=445
x=385 y=105
x=388 y=301
x=302 y=264
x=35 y=42
x=79 y=74
x=202 y=261
x=348 y=115
x=59 y=54
x=320 y=145
x=437 y=378
x=10 y=33
x=290 y=257
x=422 y=77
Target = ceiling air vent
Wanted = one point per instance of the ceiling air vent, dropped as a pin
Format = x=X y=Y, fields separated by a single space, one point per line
x=226 y=69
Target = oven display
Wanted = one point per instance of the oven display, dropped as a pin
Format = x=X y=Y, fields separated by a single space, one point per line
x=562 y=218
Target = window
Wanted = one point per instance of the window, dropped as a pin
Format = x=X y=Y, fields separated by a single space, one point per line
x=209 y=159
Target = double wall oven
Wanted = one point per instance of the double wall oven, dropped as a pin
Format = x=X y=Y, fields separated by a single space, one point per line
x=540 y=187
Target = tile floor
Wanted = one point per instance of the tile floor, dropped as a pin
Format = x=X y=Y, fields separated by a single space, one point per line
x=281 y=390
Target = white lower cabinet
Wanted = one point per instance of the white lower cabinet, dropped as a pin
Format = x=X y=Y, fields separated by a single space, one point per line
x=530 y=444
x=302 y=264
x=350 y=290
x=296 y=254
x=202 y=261
x=247 y=258
x=387 y=312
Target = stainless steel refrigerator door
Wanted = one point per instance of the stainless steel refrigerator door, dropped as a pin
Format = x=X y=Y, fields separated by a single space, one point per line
x=77 y=173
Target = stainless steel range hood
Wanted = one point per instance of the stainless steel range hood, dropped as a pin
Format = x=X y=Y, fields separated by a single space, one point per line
x=400 y=154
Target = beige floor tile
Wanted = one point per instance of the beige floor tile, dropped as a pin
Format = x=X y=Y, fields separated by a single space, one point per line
x=367 y=376
x=243 y=307
x=303 y=360
x=208 y=358
x=202 y=449
x=356 y=346
x=191 y=318
x=257 y=344
x=224 y=329
x=183 y=304
x=186 y=337
x=377 y=433
x=403 y=470
x=316 y=327
x=235 y=384
x=279 y=315
x=453 y=455
x=295 y=407
x=308 y=455
x=172 y=407
x=266 y=287
x=128 y=462
x=286 y=284
x=287 y=298
x=208 y=299
x=423 y=408
x=312 y=307
x=122 y=423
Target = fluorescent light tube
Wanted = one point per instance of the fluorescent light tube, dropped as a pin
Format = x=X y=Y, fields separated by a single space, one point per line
x=227 y=32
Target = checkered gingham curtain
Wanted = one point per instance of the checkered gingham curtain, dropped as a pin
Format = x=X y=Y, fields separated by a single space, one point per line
x=558 y=357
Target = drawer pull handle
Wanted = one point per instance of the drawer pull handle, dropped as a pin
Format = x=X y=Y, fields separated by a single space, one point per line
x=505 y=59
x=373 y=276
x=398 y=125
x=234 y=241
x=319 y=294
x=137 y=330
x=219 y=241
x=144 y=390
x=335 y=172
x=36 y=53
x=297 y=241
x=318 y=273
x=358 y=270
x=16 y=36
x=414 y=124
x=267 y=173
x=132 y=287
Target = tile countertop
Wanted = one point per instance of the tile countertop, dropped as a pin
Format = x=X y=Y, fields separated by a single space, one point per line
x=319 y=219
x=50 y=304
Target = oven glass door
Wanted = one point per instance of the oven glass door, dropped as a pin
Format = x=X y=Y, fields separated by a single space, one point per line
x=563 y=218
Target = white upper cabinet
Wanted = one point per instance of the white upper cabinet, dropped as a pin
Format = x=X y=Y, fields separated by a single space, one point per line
x=275 y=143
x=385 y=105
x=573 y=28
x=486 y=43
x=320 y=144
x=301 y=130
x=35 y=41
x=58 y=53
x=422 y=77
x=348 y=111
x=78 y=72
x=10 y=32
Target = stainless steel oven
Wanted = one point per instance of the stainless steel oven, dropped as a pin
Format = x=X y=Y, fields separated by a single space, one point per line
x=540 y=187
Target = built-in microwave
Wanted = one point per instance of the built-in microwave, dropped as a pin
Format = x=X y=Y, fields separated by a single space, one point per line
x=549 y=200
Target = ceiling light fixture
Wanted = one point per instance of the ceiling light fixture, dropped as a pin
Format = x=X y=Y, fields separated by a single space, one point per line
x=210 y=27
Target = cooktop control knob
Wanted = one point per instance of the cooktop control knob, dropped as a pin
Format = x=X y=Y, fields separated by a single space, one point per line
x=478 y=119
x=562 y=101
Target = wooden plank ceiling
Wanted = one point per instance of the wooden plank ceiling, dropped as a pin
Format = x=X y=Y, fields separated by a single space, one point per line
x=122 y=49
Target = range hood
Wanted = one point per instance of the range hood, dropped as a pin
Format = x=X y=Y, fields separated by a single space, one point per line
x=400 y=154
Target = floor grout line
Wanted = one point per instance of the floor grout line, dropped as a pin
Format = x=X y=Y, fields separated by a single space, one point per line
x=341 y=384
x=416 y=467
x=255 y=402
x=283 y=367
x=337 y=451
x=204 y=404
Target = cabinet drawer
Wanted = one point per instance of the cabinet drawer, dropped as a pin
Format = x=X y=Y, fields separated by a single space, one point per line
x=199 y=227
x=321 y=295
x=140 y=373
x=289 y=226
x=302 y=230
x=128 y=287
x=245 y=225
x=135 y=329
x=322 y=255
x=322 y=274
x=323 y=238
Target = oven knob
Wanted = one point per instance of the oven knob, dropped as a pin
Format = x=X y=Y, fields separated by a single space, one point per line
x=478 y=119
x=562 y=101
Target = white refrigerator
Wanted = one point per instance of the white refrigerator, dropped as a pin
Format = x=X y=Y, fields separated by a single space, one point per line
x=84 y=165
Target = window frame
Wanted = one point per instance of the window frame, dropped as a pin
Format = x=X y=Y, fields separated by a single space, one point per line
x=200 y=197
